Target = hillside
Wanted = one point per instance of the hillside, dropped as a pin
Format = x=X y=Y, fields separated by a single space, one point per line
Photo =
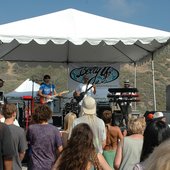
x=15 y=73
x=144 y=80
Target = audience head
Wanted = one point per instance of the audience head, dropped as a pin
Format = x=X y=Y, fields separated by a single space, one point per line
x=88 y=106
x=42 y=113
x=150 y=116
x=159 y=116
x=79 y=148
x=136 y=125
x=68 y=121
x=82 y=134
x=155 y=133
x=159 y=158
x=9 y=110
x=107 y=116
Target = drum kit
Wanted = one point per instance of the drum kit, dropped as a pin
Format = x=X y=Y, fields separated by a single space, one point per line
x=71 y=106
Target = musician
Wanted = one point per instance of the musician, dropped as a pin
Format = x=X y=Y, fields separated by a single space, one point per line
x=86 y=87
x=126 y=84
x=126 y=106
x=46 y=92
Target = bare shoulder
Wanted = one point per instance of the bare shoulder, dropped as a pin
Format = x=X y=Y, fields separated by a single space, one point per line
x=115 y=128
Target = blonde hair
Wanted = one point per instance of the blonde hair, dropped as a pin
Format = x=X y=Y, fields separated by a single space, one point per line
x=136 y=125
x=159 y=158
x=68 y=121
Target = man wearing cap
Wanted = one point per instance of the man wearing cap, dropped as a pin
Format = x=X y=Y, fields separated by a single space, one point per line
x=159 y=116
x=88 y=112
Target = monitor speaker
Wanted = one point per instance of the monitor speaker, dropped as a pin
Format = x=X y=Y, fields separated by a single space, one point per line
x=57 y=121
x=102 y=106
x=57 y=106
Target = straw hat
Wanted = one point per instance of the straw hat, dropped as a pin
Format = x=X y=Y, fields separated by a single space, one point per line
x=89 y=105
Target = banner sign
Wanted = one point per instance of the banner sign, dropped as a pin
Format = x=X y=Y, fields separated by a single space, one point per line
x=103 y=75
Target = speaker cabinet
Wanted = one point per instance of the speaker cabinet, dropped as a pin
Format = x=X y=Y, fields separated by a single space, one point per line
x=57 y=106
x=102 y=106
x=168 y=98
x=57 y=121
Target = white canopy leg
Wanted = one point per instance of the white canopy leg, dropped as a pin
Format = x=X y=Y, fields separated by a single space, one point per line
x=135 y=76
x=153 y=80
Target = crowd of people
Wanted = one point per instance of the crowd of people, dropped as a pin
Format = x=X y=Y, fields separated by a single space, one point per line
x=86 y=142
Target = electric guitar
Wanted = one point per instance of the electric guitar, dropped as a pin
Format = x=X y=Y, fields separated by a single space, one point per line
x=44 y=100
x=82 y=94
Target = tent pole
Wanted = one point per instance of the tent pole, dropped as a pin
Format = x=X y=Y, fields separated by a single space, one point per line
x=135 y=76
x=68 y=74
x=68 y=71
x=153 y=81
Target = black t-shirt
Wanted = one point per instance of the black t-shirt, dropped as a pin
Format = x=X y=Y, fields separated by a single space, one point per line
x=6 y=145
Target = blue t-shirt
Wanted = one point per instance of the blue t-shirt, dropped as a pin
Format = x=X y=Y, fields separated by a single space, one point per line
x=47 y=89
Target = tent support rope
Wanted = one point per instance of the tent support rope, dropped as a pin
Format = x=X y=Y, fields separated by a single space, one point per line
x=123 y=53
x=9 y=52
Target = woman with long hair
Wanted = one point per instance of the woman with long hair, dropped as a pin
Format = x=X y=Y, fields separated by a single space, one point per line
x=80 y=154
x=68 y=122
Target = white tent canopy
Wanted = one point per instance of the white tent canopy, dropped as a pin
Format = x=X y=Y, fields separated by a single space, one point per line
x=27 y=88
x=71 y=36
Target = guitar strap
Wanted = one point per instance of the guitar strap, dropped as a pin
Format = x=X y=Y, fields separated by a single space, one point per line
x=87 y=89
x=51 y=90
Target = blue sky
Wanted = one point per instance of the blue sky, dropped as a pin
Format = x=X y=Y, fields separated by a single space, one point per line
x=149 y=13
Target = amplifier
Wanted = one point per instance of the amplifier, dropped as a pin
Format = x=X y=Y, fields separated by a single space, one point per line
x=102 y=106
x=168 y=98
x=57 y=121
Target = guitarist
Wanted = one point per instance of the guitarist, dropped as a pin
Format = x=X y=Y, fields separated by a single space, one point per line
x=85 y=87
x=46 y=91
